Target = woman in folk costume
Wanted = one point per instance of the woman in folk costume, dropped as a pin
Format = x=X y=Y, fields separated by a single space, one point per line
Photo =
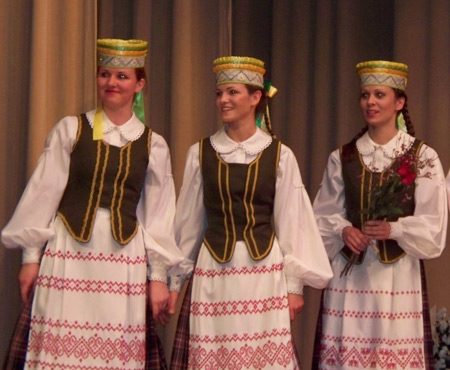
x=381 y=210
x=245 y=221
x=96 y=216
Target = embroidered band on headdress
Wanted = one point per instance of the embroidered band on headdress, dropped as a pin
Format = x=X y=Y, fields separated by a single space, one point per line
x=116 y=53
x=384 y=73
x=244 y=70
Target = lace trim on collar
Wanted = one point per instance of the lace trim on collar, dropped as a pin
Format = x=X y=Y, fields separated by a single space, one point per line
x=131 y=130
x=395 y=148
x=222 y=144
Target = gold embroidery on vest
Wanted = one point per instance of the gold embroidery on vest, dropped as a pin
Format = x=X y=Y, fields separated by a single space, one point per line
x=253 y=168
x=127 y=173
x=118 y=193
x=92 y=209
x=223 y=174
x=363 y=180
x=225 y=197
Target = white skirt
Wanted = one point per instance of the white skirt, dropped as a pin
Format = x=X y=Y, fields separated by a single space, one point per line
x=89 y=305
x=239 y=313
x=372 y=318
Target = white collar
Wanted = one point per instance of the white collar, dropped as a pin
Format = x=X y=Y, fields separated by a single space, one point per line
x=130 y=130
x=395 y=148
x=255 y=144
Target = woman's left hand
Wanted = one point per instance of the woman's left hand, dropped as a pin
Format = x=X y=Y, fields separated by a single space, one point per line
x=296 y=304
x=377 y=229
x=159 y=301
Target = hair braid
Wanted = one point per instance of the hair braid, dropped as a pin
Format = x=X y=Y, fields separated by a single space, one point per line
x=347 y=153
x=405 y=112
x=262 y=108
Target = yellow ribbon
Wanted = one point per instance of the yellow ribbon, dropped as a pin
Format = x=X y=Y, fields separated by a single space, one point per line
x=271 y=92
x=97 y=131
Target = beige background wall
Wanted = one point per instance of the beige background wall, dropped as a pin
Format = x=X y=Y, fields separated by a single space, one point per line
x=310 y=48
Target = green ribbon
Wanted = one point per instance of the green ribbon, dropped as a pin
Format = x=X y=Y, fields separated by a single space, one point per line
x=138 y=106
x=400 y=123
x=259 y=119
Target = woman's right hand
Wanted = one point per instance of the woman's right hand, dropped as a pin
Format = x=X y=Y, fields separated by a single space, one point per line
x=354 y=239
x=159 y=301
x=27 y=276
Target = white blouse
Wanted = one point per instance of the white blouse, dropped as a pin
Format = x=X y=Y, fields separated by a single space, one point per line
x=421 y=235
x=32 y=223
x=305 y=260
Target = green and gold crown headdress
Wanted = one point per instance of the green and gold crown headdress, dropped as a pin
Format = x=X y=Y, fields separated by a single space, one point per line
x=117 y=53
x=244 y=70
x=384 y=73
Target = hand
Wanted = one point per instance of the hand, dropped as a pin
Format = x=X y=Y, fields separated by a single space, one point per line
x=377 y=229
x=27 y=277
x=296 y=303
x=173 y=302
x=159 y=301
x=355 y=239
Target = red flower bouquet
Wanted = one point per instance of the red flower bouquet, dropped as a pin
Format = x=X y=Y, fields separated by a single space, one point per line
x=386 y=199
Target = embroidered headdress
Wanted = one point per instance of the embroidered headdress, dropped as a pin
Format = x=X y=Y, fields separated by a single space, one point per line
x=244 y=70
x=117 y=53
x=384 y=73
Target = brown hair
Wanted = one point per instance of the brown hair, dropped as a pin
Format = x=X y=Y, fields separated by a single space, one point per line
x=261 y=107
x=409 y=125
x=140 y=74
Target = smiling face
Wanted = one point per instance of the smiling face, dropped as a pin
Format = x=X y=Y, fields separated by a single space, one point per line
x=116 y=87
x=235 y=103
x=379 y=105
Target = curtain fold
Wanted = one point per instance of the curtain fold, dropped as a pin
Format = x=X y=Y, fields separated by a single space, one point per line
x=422 y=40
x=62 y=76
x=15 y=18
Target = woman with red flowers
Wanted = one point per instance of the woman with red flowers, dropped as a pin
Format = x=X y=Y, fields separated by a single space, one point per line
x=381 y=211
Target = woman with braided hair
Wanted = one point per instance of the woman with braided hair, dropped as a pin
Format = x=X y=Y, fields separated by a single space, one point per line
x=245 y=221
x=381 y=211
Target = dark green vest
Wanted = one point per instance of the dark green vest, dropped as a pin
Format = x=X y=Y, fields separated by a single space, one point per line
x=358 y=180
x=239 y=201
x=102 y=175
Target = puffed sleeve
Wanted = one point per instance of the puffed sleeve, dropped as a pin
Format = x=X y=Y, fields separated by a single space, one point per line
x=448 y=189
x=156 y=211
x=305 y=259
x=329 y=206
x=423 y=234
x=190 y=218
x=31 y=225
